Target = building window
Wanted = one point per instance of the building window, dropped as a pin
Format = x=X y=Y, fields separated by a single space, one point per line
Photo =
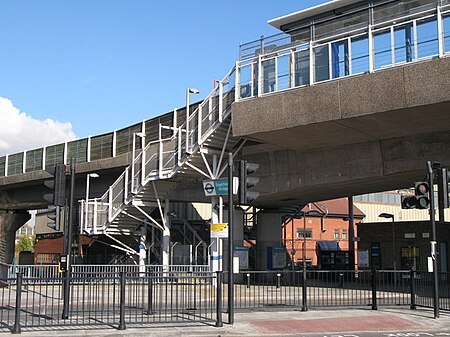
x=336 y=233
x=344 y=234
x=308 y=233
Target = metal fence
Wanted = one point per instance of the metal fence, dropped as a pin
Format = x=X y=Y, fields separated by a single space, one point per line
x=110 y=300
x=128 y=296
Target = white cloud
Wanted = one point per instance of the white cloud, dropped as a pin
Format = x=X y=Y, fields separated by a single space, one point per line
x=19 y=131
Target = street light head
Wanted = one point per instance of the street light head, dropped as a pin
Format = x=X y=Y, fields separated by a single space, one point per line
x=140 y=134
x=193 y=91
x=93 y=175
x=386 y=215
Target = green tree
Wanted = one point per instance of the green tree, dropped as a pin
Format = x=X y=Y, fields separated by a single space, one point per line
x=25 y=244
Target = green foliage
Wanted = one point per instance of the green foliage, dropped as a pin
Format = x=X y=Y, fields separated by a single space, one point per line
x=26 y=244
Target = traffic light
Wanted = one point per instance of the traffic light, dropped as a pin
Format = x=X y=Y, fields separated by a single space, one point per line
x=443 y=177
x=57 y=196
x=420 y=199
x=422 y=191
x=54 y=214
x=246 y=182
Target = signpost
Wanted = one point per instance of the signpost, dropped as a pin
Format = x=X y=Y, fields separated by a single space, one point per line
x=219 y=187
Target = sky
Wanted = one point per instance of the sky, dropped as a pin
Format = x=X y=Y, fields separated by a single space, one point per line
x=78 y=68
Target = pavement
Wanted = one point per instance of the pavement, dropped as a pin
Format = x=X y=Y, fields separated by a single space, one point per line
x=384 y=322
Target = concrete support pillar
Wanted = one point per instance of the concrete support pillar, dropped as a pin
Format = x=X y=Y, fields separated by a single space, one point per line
x=268 y=234
x=9 y=224
x=215 y=250
x=166 y=237
x=142 y=248
x=238 y=233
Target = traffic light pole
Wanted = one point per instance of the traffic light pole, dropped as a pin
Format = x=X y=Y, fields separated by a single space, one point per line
x=230 y=240
x=433 y=240
x=68 y=243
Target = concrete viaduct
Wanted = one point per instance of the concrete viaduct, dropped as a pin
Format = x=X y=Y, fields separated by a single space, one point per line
x=362 y=134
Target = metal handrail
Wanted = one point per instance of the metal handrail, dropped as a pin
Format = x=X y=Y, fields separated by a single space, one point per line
x=107 y=199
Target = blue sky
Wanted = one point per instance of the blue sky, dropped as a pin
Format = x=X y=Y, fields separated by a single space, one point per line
x=106 y=64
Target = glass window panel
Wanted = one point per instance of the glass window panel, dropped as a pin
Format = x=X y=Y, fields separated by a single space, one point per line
x=371 y=197
x=2 y=166
x=382 y=49
x=302 y=67
x=336 y=233
x=427 y=38
x=360 y=54
x=342 y=24
x=54 y=155
x=283 y=72
x=15 y=164
x=268 y=68
x=339 y=57
x=77 y=150
x=303 y=35
x=392 y=198
x=400 y=9
x=378 y=198
x=446 y=24
x=308 y=233
x=403 y=43
x=344 y=234
x=365 y=197
x=246 y=81
x=321 y=63
x=34 y=160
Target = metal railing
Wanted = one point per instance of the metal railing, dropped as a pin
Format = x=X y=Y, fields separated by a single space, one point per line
x=368 y=288
x=162 y=158
x=117 y=296
x=44 y=273
x=294 y=64
x=109 y=300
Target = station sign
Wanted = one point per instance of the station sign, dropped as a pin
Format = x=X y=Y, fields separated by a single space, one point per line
x=219 y=230
x=219 y=187
x=215 y=187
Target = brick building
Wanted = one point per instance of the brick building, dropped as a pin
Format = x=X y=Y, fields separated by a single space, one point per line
x=326 y=234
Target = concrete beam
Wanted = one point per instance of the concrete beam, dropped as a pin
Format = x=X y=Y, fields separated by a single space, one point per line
x=289 y=177
x=400 y=101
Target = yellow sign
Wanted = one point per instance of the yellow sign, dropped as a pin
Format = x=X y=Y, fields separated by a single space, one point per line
x=219 y=230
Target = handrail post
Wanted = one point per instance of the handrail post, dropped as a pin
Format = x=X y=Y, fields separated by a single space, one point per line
x=220 y=101
x=199 y=125
x=150 y=293
x=110 y=200
x=122 y=302
x=374 y=289
x=412 y=278
x=16 y=329
x=237 y=82
x=219 y=321
x=125 y=194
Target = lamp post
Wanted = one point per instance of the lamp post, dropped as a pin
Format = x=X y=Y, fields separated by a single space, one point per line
x=391 y=216
x=188 y=92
